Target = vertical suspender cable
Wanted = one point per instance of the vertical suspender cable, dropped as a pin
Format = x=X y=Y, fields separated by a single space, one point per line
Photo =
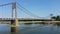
x=2 y=12
x=5 y=11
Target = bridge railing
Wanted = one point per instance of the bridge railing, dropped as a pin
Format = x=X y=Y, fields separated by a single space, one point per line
x=7 y=18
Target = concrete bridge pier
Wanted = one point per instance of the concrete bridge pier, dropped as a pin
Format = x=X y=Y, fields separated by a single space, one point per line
x=14 y=26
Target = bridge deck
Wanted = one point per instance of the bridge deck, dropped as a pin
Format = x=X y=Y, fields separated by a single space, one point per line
x=27 y=19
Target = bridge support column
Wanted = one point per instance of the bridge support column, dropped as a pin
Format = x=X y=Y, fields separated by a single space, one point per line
x=14 y=26
x=14 y=23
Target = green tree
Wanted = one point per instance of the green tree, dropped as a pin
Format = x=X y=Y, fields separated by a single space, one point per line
x=56 y=17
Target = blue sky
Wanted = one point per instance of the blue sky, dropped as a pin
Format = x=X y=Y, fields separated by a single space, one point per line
x=42 y=8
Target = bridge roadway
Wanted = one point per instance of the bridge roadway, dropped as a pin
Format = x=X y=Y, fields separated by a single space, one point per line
x=26 y=20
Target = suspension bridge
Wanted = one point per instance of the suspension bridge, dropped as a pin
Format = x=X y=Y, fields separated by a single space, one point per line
x=9 y=13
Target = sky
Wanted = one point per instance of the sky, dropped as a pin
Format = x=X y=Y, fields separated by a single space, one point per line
x=41 y=8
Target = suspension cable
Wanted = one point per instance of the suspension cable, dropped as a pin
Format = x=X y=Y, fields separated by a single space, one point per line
x=25 y=12
x=28 y=11
x=5 y=4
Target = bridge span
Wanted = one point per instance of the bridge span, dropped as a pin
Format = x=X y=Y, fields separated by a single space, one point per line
x=26 y=20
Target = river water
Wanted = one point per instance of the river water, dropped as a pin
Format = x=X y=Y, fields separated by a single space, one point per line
x=31 y=29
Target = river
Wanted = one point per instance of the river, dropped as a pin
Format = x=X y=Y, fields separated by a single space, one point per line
x=31 y=29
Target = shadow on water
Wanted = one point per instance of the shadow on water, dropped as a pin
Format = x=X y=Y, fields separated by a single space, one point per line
x=28 y=23
x=40 y=23
x=36 y=23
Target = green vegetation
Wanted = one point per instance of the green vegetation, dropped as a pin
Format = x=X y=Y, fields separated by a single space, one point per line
x=56 y=17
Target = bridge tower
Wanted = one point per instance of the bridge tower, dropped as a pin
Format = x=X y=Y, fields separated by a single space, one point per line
x=14 y=22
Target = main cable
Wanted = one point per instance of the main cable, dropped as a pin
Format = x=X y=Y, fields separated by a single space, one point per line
x=5 y=4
